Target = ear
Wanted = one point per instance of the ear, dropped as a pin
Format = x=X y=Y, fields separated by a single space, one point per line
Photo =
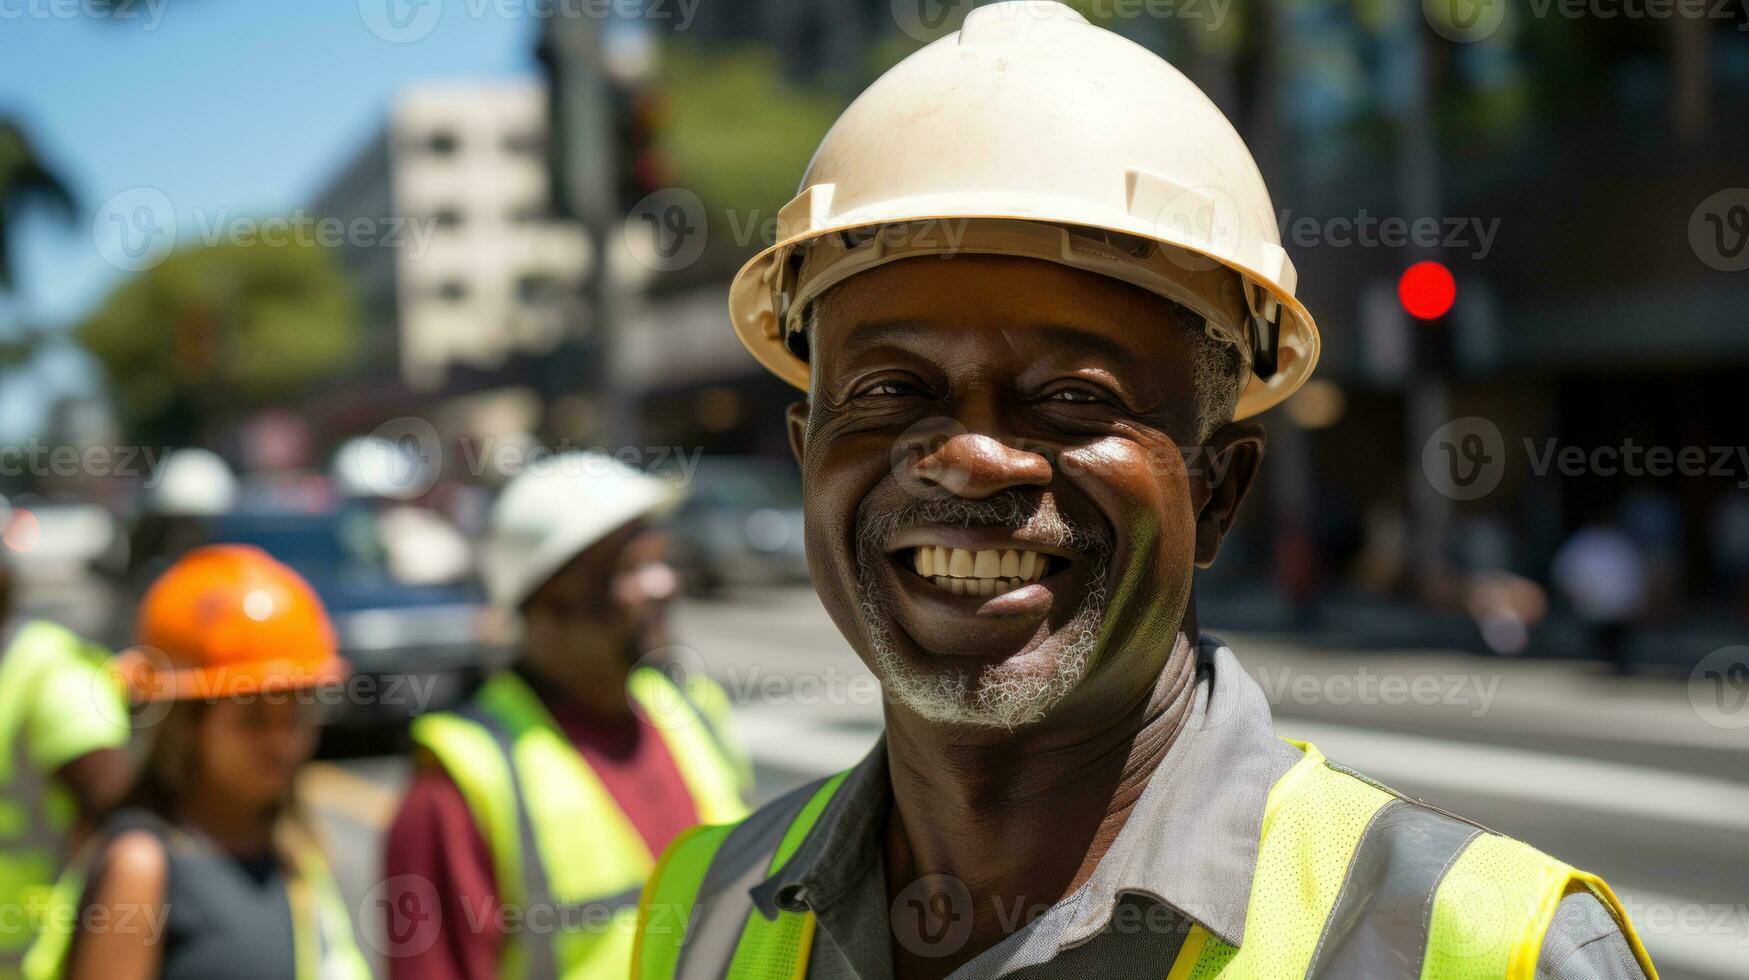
x=796 y=417
x=1229 y=465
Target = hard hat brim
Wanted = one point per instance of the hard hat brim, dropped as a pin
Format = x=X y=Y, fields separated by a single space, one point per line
x=756 y=300
x=148 y=679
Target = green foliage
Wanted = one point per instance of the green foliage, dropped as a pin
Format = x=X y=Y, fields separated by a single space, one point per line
x=740 y=134
x=217 y=331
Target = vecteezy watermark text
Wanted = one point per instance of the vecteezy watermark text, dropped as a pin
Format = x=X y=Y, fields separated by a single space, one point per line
x=1465 y=459
x=406 y=21
x=149 y=12
x=1368 y=687
x=38 y=459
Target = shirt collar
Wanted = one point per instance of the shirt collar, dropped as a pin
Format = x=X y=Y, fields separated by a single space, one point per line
x=844 y=843
x=1191 y=841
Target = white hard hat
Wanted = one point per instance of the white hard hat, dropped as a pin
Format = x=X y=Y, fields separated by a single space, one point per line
x=194 y=482
x=555 y=510
x=1032 y=132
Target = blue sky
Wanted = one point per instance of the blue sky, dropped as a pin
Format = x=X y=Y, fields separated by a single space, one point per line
x=248 y=105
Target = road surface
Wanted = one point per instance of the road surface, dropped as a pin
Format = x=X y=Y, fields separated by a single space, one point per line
x=1622 y=777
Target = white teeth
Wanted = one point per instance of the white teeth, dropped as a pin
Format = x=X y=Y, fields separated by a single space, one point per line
x=959 y=563
x=988 y=572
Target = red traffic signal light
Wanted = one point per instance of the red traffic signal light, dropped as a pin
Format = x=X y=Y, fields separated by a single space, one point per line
x=1427 y=290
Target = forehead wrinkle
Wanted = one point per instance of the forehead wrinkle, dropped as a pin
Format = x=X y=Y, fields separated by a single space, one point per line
x=865 y=337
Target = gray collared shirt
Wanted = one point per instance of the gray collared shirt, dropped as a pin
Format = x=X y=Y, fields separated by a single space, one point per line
x=1185 y=856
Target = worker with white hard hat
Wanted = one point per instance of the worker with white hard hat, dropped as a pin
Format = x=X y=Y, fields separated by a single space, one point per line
x=538 y=806
x=1033 y=289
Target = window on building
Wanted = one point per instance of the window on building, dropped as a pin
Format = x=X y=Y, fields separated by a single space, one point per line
x=448 y=217
x=442 y=143
x=453 y=291
x=533 y=144
x=537 y=289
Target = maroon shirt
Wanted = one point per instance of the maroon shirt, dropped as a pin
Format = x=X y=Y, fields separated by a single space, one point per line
x=434 y=839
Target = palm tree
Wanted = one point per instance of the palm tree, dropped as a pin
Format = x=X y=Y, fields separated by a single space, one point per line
x=24 y=180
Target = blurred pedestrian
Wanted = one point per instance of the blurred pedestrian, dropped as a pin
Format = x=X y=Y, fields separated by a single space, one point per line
x=63 y=735
x=538 y=806
x=1034 y=293
x=207 y=869
x=1602 y=573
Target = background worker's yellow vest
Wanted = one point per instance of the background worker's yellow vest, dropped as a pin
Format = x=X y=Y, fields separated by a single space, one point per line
x=567 y=860
x=1442 y=899
x=323 y=947
x=36 y=812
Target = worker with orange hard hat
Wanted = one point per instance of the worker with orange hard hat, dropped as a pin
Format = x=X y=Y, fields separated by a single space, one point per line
x=207 y=858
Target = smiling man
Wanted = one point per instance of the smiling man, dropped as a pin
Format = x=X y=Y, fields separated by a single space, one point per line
x=1033 y=288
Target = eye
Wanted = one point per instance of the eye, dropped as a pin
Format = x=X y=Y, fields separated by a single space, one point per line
x=887 y=388
x=1077 y=395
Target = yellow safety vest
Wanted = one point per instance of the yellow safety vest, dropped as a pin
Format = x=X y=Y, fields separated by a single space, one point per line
x=322 y=939
x=1475 y=905
x=36 y=811
x=567 y=860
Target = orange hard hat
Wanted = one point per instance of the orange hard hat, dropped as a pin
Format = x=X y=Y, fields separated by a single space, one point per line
x=229 y=620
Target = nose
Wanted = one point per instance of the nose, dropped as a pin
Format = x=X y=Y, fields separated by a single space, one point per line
x=650 y=583
x=974 y=463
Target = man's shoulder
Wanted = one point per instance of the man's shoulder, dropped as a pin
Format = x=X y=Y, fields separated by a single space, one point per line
x=781 y=812
x=1477 y=880
x=38 y=640
x=764 y=830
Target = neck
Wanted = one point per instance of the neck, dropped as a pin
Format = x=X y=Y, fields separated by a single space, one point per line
x=235 y=826
x=1022 y=821
x=595 y=683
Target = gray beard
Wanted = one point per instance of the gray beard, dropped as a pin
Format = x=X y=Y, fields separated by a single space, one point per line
x=1003 y=695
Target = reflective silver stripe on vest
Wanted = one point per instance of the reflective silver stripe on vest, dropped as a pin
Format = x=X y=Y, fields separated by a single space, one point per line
x=723 y=904
x=1377 y=929
x=537 y=890
x=543 y=960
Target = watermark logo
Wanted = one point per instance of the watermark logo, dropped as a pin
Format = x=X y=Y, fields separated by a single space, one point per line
x=667 y=230
x=667 y=706
x=400 y=459
x=1718 y=230
x=1464 y=21
x=932 y=916
x=1206 y=221
x=136 y=229
x=401 y=21
x=920 y=446
x=1718 y=688
x=410 y=911
x=1465 y=458
x=135 y=689
x=925 y=20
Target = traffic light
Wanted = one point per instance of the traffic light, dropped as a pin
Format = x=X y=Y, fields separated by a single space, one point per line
x=640 y=113
x=1427 y=292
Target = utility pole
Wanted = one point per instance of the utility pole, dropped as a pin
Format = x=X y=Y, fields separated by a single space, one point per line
x=583 y=163
x=1426 y=399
